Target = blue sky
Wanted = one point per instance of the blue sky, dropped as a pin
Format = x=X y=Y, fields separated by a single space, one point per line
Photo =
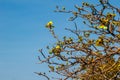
x=22 y=34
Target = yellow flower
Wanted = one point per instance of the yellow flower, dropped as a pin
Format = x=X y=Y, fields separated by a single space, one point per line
x=99 y=42
x=119 y=65
x=57 y=47
x=56 y=50
x=104 y=21
x=103 y=27
x=110 y=16
x=49 y=25
x=80 y=38
x=118 y=36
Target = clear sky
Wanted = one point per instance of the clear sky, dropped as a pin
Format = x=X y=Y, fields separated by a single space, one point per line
x=22 y=34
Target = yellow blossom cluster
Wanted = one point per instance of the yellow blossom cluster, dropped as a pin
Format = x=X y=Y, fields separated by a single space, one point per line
x=56 y=50
x=110 y=16
x=105 y=20
x=99 y=42
x=49 y=25
x=103 y=26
